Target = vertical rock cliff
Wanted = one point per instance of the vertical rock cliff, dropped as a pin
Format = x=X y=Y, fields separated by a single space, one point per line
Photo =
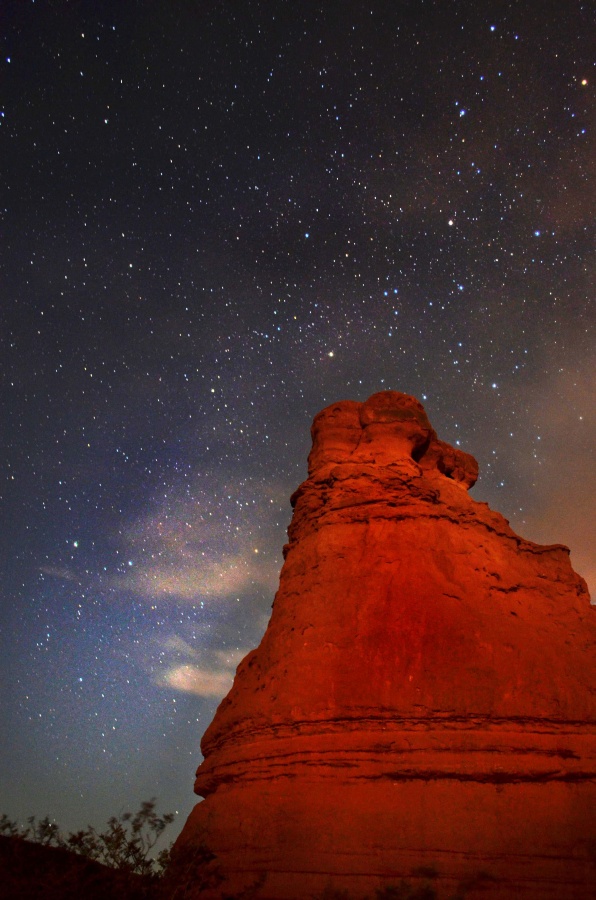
x=420 y=714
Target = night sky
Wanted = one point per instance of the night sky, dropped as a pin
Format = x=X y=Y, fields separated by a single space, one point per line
x=218 y=218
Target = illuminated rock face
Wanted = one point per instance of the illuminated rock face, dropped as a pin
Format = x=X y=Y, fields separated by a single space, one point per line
x=421 y=707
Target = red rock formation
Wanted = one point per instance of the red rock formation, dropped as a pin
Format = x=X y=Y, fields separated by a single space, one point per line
x=421 y=707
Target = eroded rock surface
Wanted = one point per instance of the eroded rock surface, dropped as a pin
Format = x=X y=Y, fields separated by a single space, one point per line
x=421 y=708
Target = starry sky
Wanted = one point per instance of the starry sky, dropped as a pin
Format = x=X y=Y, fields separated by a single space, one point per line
x=218 y=218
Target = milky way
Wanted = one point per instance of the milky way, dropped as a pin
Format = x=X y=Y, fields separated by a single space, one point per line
x=217 y=221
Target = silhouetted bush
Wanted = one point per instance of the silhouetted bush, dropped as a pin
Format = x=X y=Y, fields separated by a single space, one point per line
x=125 y=844
x=37 y=861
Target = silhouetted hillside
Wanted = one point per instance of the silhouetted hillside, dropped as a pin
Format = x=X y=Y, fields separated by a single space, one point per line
x=30 y=871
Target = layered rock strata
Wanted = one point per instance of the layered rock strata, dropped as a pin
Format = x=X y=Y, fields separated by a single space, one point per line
x=420 y=713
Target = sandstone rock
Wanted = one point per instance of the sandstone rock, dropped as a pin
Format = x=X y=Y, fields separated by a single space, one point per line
x=421 y=709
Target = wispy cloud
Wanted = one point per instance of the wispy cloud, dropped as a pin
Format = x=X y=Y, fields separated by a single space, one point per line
x=206 y=674
x=208 y=578
x=192 y=679
x=205 y=542
x=61 y=573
